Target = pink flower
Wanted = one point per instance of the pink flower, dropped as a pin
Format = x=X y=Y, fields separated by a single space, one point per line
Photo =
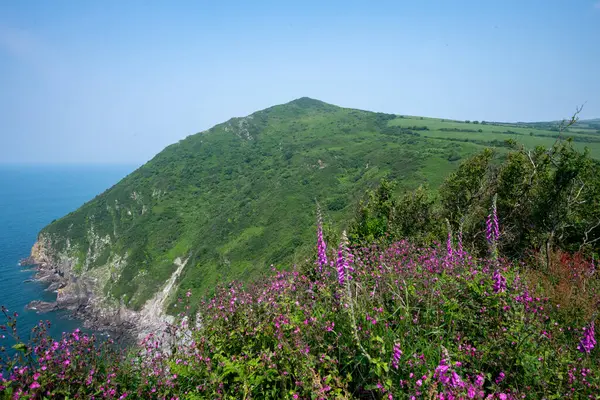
x=479 y=380
x=449 y=251
x=471 y=392
x=321 y=245
x=34 y=385
x=342 y=261
x=499 y=282
x=500 y=377
x=588 y=341
x=396 y=356
x=489 y=230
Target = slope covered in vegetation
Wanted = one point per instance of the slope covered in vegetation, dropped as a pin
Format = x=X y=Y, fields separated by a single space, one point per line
x=239 y=197
x=505 y=308
x=375 y=322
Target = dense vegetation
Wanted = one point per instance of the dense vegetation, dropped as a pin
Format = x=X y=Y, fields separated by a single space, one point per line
x=362 y=322
x=240 y=197
x=549 y=199
x=485 y=289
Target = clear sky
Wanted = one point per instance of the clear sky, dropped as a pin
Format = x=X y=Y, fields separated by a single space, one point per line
x=117 y=81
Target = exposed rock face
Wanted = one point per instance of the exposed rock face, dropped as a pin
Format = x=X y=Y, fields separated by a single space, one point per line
x=42 y=306
x=81 y=293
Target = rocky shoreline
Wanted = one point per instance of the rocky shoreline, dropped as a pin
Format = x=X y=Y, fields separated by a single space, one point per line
x=73 y=295
x=82 y=295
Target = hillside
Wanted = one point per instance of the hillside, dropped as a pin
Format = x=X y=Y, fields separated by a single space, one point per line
x=228 y=202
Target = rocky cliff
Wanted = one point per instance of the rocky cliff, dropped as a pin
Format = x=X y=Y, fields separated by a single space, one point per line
x=81 y=292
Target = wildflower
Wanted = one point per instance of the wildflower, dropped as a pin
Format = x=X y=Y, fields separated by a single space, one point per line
x=321 y=246
x=460 y=249
x=499 y=282
x=479 y=380
x=471 y=392
x=343 y=261
x=329 y=326
x=492 y=229
x=588 y=341
x=495 y=224
x=440 y=372
x=500 y=377
x=449 y=245
x=456 y=381
x=396 y=356
x=35 y=385
x=489 y=235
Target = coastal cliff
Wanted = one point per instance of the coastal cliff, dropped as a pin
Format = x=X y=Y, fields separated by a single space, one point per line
x=81 y=292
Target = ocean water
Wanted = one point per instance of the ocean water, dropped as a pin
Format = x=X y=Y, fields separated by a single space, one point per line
x=30 y=198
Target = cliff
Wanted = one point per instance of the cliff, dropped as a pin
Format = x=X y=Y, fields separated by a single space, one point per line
x=81 y=292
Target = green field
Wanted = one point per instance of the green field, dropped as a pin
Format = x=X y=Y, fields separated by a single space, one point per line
x=584 y=134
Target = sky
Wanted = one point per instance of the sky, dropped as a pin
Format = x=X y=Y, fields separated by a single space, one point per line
x=117 y=81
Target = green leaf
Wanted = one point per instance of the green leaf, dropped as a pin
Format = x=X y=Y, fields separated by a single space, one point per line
x=20 y=347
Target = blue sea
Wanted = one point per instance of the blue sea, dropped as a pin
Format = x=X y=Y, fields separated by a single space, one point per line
x=30 y=198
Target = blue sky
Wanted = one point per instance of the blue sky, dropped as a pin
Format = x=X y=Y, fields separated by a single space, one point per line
x=117 y=81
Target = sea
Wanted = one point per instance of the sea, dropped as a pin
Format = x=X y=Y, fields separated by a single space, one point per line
x=31 y=196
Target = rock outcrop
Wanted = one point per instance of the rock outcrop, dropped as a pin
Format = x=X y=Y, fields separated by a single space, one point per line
x=81 y=293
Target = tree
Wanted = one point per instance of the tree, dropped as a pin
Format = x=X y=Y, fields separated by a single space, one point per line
x=547 y=199
x=373 y=213
x=463 y=188
x=414 y=217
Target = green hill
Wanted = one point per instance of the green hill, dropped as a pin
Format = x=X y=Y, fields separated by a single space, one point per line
x=240 y=196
